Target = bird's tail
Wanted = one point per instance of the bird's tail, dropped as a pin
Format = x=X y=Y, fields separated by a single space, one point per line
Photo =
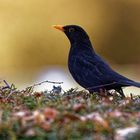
x=136 y=84
x=131 y=83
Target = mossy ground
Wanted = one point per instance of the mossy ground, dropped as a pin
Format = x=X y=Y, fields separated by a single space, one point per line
x=73 y=115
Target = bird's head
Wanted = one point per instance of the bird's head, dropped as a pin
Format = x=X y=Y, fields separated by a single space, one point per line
x=73 y=32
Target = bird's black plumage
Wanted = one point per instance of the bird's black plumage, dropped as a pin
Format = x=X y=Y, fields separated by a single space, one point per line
x=89 y=69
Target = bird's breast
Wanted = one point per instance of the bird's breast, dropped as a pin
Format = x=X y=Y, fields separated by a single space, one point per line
x=74 y=68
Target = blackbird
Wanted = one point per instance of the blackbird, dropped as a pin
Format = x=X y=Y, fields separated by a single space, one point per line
x=87 y=67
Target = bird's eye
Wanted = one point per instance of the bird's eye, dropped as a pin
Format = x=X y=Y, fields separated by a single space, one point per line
x=71 y=30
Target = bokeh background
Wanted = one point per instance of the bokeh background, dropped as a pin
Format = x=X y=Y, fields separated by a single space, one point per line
x=32 y=51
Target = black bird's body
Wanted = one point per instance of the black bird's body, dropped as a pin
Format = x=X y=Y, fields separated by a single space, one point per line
x=87 y=68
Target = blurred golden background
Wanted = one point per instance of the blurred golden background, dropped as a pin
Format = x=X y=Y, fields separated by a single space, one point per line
x=29 y=44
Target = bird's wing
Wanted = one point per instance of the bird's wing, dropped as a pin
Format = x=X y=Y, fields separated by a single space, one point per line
x=109 y=75
x=95 y=67
x=91 y=66
x=93 y=72
x=84 y=72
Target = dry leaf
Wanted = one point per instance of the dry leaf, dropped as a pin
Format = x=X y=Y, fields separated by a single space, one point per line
x=39 y=117
x=72 y=117
x=46 y=126
x=50 y=114
x=115 y=113
x=96 y=117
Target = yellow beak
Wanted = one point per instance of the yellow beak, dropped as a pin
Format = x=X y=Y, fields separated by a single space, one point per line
x=59 y=27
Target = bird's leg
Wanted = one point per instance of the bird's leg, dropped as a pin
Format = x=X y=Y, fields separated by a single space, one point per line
x=102 y=92
x=120 y=91
x=91 y=92
x=109 y=93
